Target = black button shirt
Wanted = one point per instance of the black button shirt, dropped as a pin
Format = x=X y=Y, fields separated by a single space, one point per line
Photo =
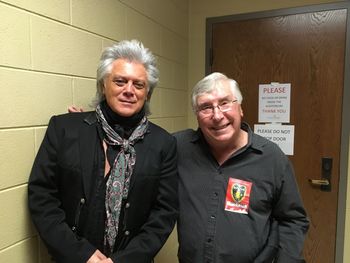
x=209 y=233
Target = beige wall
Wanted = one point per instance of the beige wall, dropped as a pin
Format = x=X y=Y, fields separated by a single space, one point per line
x=48 y=57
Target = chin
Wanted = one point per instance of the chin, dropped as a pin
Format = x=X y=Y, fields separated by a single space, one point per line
x=125 y=111
x=223 y=137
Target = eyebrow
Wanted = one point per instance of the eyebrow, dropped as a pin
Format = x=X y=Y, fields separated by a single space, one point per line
x=127 y=77
x=227 y=97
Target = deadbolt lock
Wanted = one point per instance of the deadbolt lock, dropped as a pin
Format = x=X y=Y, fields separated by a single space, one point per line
x=326 y=171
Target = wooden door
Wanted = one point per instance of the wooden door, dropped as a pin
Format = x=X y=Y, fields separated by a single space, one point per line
x=308 y=51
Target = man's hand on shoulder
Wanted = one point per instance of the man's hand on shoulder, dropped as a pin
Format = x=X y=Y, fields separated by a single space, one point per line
x=75 y=109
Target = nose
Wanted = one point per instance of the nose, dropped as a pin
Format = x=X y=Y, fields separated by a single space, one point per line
x=217 y=113
x=129 y=88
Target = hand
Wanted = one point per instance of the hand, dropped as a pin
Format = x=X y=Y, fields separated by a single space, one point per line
x=75 y=109
x=97 y=257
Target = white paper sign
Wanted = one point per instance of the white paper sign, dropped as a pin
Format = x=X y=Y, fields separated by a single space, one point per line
x=274 y=102
x=282 y=135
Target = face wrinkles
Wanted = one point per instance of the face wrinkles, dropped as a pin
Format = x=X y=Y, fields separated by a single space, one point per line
x=217 y=121
x=125 y=88
x=220 y=128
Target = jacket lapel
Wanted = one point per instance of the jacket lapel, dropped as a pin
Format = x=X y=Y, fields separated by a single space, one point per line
x=87 y=145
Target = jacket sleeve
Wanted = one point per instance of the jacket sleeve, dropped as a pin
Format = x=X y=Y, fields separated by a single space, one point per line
x=143 y=247
x=45 y=205
x=291 y=216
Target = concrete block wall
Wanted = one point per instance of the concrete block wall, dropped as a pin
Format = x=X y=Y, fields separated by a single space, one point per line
x=48 y=57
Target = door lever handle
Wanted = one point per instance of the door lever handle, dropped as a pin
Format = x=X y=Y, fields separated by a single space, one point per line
x=319 y=181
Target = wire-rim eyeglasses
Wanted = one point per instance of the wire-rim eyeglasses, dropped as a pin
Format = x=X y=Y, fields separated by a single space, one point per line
x=224 y=106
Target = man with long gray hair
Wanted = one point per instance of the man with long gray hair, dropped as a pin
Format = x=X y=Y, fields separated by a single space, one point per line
x=103 y=187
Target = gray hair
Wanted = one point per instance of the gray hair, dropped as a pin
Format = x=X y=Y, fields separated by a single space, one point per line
x=212 y=82
x=131 y=50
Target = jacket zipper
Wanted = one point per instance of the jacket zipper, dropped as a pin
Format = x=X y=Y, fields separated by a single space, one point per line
x=77 y=215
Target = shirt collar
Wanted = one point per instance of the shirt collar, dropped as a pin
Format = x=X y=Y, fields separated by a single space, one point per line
x=254 y=142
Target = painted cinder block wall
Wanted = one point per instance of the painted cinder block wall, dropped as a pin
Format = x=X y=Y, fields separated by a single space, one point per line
x=49 y=51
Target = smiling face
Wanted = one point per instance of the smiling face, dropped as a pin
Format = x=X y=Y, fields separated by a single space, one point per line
x=220 y=129
x=125 y=88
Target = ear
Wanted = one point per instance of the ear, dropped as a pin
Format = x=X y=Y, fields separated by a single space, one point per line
x=241 y=111
x=149 y=95
x=104 y=86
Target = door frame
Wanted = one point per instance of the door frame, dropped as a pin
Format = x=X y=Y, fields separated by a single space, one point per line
x=345 y=125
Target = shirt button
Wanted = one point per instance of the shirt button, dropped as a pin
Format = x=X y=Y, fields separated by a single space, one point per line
x=209 y=240
x=127 y=205
x=127 y=232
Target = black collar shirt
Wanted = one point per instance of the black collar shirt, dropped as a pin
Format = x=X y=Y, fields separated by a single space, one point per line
x=237 y=211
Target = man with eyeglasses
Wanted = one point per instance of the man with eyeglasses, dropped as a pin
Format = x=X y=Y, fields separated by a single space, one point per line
x=239 y=201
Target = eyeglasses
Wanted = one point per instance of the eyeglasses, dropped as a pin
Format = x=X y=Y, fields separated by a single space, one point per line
x=224 y=106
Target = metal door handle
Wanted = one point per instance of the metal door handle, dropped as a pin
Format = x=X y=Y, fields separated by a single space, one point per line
x=319 y=181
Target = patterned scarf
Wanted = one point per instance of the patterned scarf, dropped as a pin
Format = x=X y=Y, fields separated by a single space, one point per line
x=119 y=178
